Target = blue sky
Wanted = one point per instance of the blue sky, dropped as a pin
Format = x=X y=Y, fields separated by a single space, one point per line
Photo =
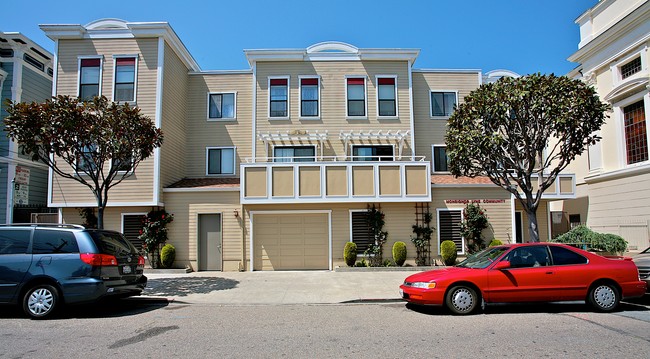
x=524 y=36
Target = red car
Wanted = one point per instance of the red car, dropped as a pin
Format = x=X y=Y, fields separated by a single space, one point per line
x=531 y=272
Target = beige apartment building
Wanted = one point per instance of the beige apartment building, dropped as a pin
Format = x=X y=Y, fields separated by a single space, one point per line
x=274 y=167
x=613 y=179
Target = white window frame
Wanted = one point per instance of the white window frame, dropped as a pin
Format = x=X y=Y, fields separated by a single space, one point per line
x=129 y=171
x=620 y=127
x=207 y=160
x=135 y=76
x=301 y=116
x=124 y=214
x=365 y=94
x=438 y=210
x=431 y=116
x=350 y=221
x=101 y=72
x=273 y=147
x=396 y=117
x=268 y=101
x=617 y=77
x=222 y=119
x=433 y=157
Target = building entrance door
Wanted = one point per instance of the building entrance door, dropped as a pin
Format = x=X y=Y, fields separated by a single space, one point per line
x=210 y=242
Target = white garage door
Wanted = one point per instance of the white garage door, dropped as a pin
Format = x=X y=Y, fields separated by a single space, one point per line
x=290 y=241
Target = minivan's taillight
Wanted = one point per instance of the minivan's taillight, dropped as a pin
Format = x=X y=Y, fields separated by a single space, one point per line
x=140 y=260
x=98 y=260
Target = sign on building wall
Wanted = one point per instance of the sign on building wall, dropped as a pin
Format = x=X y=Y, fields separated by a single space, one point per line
x=21 y=186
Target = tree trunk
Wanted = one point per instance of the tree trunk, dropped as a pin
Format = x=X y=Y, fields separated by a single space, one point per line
x=533 y=228
x=100 y=217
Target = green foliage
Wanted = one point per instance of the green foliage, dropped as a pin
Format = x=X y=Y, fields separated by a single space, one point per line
x=167 y=255
x=583 y=236
x=495 y=242
x=63 y=131
x=471 y=228
x=448 y=252
x=154 y=232
x=519 y=128
x=88 y=214
x=399 y=253
x=422 y=239
x=361 y=263
x=375 y=250
x=350 y=253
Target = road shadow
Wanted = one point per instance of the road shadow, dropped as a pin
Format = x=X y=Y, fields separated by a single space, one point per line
x=105 y=308
x=640 y=304
x=182 y=287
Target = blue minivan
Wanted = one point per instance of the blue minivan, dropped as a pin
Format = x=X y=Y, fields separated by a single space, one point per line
x=43 y=266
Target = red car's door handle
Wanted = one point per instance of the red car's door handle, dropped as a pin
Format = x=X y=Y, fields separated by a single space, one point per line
x=549 y=272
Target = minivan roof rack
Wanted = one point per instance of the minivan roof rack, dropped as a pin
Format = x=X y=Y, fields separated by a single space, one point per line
x=52 y=225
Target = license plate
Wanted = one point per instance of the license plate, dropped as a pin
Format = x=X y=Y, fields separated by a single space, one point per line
x=126 y=269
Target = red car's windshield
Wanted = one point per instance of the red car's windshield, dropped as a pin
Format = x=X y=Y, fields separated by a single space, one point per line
x=483 y=258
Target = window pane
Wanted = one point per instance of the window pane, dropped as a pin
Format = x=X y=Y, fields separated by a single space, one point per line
x=279 y=109
x=450 y=103
x=304 y=154
x=440 y=159
x=87 y=92
x=14 y=241
x=49 y=241
x=362 y=153
x=90 y=75
x=124 y=92
x=356 y=108
x=279 y=93
x=214 y=161
x=386 y=92
x=227 y=161
x=636 y=138
x=215 y=106
x=563 y=256
x=228 y=105
x=309 y=108
x=387 y=108
x=309 y=93
x=437 y=104
x=125 y=73
x=356 y=92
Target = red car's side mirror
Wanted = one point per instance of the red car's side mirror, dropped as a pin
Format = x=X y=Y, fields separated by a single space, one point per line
x=502 y=265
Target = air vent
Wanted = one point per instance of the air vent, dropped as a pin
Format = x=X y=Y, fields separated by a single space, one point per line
x=40 y=53
x=6 y=53
x=32 y=61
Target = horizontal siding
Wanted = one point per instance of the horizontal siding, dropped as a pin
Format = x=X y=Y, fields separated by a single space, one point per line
x=5 y=93
x=112 y=216
x=620 y=200
x=333 y=100
x=183 y=231
x=174 y=120
x=139 y=187
x=432 y=131
x=36 y=87
x=204 y=133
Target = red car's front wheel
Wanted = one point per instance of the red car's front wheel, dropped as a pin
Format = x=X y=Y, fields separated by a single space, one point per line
x=462 y=300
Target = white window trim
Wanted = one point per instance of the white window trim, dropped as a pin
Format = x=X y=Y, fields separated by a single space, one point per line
x=617 y=77
x=273 y=147
x=431 y=116
x=124 y=214
x=396 y=117
x=352 y=146
x=433 y=158
x=301 y=116
x=222 y=119
x=207 y=160
x=438 y=210
x=135 y=76
x=129 y=171
x=101 y=71
x=619 y=116
x=268 y=101
x=365 y=94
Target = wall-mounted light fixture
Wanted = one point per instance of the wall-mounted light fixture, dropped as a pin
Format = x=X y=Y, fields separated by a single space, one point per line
x=236 y=213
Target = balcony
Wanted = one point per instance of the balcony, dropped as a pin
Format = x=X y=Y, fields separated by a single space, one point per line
x=335 y=180
x=564 y=187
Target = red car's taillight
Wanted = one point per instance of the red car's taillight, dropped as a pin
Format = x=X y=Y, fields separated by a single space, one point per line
x=140 y=260
x=98 y=260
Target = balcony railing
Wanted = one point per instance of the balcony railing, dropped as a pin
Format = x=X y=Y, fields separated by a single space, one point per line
x=335 y=179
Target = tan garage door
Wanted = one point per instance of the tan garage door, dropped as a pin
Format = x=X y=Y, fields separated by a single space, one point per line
x=290 y=241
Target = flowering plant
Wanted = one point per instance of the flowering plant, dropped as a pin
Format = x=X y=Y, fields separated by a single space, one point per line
x=154 y=231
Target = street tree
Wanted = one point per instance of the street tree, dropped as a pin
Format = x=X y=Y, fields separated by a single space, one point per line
x=518 y=131
x=96 y=143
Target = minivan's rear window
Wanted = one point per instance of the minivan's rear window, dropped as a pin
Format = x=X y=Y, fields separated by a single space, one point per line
x=112 y=243
x=52 y=241
x=14 y=241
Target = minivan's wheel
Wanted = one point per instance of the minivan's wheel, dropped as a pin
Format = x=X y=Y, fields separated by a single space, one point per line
x=604 y=297
x=40 y=301
x=462 y=300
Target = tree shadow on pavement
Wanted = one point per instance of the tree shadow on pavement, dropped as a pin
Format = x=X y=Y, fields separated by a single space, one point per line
x=184 y=286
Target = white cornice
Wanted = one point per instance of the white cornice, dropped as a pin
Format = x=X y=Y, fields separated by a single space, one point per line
x=461 y=71
x=120 y=29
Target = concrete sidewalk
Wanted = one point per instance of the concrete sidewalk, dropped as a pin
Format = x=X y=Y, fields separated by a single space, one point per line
x=258 y=288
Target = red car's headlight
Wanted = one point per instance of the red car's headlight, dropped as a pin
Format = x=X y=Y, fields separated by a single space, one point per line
x=424 y=285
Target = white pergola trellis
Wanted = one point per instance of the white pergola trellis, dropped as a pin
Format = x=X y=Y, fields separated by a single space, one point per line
x=293 y=135
x=399 y=136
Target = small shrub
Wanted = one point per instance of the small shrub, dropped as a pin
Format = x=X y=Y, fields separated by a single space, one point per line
x=167 y=255
x=495 y=242
x=361 y=263
x=387 y=263
x=399 y=253
x=350 y=253
x=448 y=252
